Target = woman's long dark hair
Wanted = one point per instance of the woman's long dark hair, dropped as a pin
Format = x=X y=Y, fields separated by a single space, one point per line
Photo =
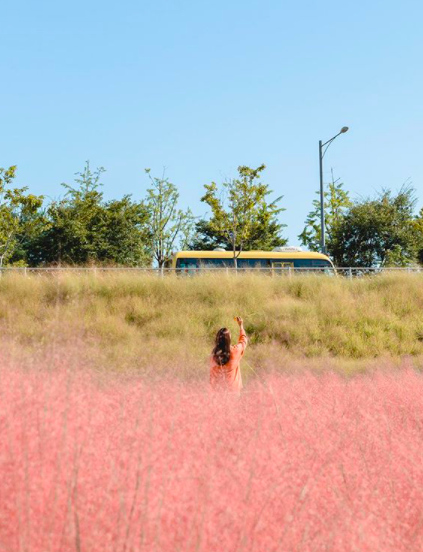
x=222 y=348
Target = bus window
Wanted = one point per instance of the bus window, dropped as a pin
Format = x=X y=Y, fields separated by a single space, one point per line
x=252 y=263
x=187 y=266
x=216 y=263
x=311 y=263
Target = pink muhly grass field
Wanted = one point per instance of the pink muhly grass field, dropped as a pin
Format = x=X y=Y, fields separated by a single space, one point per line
x=299 y=462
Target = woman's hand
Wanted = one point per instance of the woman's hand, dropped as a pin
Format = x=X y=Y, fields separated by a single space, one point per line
x=239 y=321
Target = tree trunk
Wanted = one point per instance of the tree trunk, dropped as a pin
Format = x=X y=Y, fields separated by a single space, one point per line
x=234 y=250
x=161 y=262
x=235 y=257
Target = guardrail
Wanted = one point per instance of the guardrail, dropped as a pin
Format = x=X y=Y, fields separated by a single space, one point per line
x=348 y=272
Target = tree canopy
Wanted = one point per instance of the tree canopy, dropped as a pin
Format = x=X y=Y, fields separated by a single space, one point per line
x=241 y=217
x=21 y=218
x=84 y=228
x=169 y=225
x=378 y=232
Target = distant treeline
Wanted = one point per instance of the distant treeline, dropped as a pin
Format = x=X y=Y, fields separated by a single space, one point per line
x=83 y=228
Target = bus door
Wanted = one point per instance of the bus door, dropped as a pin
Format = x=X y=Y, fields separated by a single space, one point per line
x=282 y=268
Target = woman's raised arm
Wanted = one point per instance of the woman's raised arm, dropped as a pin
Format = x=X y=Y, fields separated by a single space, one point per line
x=243 y=340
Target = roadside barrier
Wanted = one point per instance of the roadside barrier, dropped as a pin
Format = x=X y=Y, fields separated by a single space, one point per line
x=347 y=272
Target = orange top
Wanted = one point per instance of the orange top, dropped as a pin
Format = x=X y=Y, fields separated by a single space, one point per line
x=228 y=376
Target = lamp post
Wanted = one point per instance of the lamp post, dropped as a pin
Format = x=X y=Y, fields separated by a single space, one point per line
x=322 y=201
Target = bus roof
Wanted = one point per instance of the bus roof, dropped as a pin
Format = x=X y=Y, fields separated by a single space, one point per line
x=250 y=255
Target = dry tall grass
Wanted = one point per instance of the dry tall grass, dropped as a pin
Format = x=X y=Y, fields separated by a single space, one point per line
x=129 y=321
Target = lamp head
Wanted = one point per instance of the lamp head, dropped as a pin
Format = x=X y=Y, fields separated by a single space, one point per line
x=343 y=129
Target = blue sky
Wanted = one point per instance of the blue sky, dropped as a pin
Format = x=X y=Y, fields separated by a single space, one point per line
x=200 y=87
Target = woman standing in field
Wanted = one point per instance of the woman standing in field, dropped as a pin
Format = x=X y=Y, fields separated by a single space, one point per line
x=225 y=359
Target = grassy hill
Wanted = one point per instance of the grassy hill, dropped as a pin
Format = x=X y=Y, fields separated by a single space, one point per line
x=125 y=321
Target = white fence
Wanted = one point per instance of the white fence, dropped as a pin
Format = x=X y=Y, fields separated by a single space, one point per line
x=349 y=272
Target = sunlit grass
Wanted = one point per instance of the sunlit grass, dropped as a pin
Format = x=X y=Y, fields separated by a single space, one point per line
x=127 y=321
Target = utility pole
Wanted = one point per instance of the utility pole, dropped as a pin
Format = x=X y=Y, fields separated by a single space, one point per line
x=322 y=194
x=322 y=203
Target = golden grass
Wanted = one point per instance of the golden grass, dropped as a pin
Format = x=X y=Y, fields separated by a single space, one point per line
x=124 y=321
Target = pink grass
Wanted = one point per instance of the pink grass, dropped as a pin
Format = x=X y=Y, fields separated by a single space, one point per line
x=298 y=463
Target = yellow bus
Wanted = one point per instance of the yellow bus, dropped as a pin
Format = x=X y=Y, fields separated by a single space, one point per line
x=280 y=260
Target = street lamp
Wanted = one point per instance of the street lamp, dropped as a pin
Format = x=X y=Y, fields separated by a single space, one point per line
x=322 y=206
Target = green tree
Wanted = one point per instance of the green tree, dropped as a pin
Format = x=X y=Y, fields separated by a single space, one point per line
x=123 y=233
x=242 y=219
x=21 y=218
x=378 y=232
x=86 y=229
x=418 y=225
x=170 y=226
x=336 y=203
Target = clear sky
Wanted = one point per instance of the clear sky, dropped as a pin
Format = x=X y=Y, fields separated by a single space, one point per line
x=200 y=87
